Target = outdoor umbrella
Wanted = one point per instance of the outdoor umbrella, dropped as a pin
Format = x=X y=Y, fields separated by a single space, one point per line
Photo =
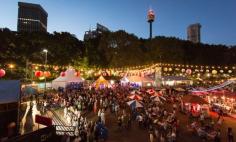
x=151 y=91
x=134 y=104
x=135 y=97
x=157 y=99
x=194 y=99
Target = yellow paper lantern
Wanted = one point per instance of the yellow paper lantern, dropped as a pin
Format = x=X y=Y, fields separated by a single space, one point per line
x=214 y=72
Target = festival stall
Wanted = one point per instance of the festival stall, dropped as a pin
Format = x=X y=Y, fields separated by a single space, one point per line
x=66 y=78
x=101 y=82
x=195 y=104
x=220 y=97
x=137 y=81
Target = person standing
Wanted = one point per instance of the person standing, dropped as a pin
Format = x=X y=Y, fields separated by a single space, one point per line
x=230 y=135
x=217 y=137
x=103 y=116
x=151 y=134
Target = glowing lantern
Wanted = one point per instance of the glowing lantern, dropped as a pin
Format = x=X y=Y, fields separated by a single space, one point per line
x=229 y=71
x=170 y=69
x=56 y=68
x=183 y=70
x=214 y=72
x=165 y=69
x=63 y=74
x=38 y=73
x=188 y=71
x=47 y=74
x=77 y=74
x=2 y=72
x=221 y=71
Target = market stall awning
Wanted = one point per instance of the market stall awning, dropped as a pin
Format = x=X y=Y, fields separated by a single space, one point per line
x=135 y=104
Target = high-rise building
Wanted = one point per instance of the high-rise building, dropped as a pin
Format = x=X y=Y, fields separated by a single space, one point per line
x=95 y=32
x=194 y=33
x=31 y=18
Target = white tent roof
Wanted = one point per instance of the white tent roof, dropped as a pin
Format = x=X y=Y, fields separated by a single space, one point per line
x=124 y=79
x=70 y=76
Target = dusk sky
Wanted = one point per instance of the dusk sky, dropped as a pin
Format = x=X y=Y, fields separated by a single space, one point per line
x=217 y=17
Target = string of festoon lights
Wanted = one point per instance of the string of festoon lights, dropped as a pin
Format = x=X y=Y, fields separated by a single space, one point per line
x=166 y=69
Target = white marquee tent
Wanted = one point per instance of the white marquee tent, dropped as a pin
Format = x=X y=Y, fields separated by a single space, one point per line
x=62 y=81
x=141 y=81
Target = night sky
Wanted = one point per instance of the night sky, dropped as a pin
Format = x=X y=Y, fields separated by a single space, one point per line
x=217 y=17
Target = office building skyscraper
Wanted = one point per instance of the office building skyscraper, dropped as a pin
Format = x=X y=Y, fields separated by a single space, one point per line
x=31 y=18
x=194 y=33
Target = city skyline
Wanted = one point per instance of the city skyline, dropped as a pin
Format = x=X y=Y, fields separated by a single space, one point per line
x=172 y=17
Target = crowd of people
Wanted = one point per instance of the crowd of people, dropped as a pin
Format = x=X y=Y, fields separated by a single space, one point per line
x=161 y=123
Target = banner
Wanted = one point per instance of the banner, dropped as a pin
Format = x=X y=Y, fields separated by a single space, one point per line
x=9 y=91
x=43 y=120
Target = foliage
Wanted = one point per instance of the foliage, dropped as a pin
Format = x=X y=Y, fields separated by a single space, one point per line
x=107 y=49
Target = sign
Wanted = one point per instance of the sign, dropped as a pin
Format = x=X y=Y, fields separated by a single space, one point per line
x=9 y=91
x=43 y=120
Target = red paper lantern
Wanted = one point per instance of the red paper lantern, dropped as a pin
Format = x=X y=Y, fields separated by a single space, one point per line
x=63 y=74
x=77 y=74
x=38 y=73
x=2 y=72
x=47 y=74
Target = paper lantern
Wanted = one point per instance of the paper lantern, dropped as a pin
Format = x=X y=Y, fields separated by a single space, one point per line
x=47 y=74
x=183 y=70
x=188 y=71
x=2 y=72
x=229 y=71
x=214 y=72
x=165 y=69
x=38 y=73
x=77 y=74
x=56 y=68
x=63 y=74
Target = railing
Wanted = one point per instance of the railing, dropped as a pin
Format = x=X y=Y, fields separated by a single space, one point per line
x=61 y=127
x=61 y=130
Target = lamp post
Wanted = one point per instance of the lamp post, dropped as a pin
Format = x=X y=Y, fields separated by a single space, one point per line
x=45 y=64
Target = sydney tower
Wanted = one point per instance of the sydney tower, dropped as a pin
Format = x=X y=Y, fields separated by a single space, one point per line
x=151 y=18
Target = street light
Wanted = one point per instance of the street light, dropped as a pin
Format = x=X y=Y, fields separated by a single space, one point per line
x=45 y=64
